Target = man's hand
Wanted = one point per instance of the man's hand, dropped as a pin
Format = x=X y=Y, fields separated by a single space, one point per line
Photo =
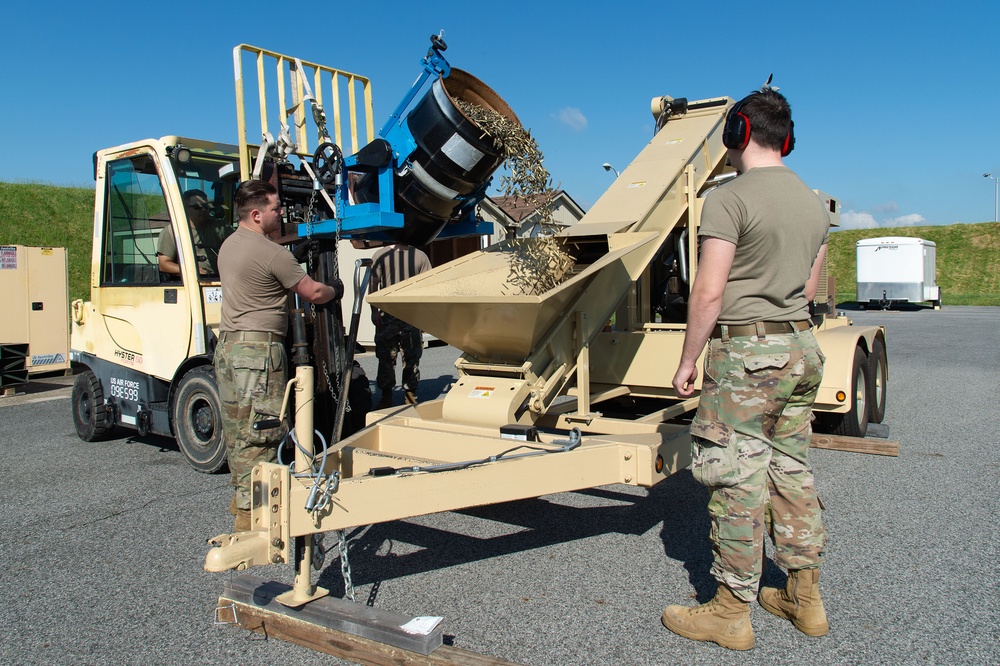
x=684 y=379
x=301 y=249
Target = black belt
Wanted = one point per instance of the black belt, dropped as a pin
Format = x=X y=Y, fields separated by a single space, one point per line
x=759 y=328
x=251 y=336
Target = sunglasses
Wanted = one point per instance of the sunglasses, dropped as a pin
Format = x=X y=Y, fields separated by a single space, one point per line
x=200 y=206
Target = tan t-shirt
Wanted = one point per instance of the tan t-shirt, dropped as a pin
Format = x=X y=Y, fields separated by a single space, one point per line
x=207 y=242
x=256 y=276
x=778 y=225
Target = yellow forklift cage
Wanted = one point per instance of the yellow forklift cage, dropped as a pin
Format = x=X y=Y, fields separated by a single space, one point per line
x=292 y=79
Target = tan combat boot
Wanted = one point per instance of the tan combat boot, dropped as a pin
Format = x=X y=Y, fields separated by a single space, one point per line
x=243 y=522
x=724 y=620
x=232 y=506
x=798 y=602
x=411 y=398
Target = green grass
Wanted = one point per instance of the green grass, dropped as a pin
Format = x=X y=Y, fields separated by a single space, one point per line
x=48 y=216
x=968 y=270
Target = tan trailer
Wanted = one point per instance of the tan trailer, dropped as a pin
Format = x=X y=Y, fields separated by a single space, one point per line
x=550 y=396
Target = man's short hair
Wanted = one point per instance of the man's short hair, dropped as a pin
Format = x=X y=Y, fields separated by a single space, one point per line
x=191 y=194
x=252 y=195
x=770 y=118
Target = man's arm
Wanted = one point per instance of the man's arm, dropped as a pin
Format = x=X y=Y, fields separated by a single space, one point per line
x=704 y=307
x=313 y=291
x=167 y=265
x=166 y=252
x=812 y=285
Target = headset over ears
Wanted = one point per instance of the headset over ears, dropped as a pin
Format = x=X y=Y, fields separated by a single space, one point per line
x=736 y=133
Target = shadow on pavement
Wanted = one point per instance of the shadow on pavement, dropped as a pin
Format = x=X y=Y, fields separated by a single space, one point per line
x=678 y=502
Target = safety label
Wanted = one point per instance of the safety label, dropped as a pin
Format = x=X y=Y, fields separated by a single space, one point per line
x=8 y=257
x=482 y=391
x=47 y=359
x=213 y=294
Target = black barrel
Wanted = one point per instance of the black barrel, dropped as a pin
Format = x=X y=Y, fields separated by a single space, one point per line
x=453 y=158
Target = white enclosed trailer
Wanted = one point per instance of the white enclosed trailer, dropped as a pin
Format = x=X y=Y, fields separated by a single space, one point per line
x=897 y=269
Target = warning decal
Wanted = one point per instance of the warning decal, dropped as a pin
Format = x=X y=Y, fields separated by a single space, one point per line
x=482 y=391
x=8 y=257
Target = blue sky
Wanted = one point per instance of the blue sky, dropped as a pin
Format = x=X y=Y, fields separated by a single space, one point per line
x=895 y=104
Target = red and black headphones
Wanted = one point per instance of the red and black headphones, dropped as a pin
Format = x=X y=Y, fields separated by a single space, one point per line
x=736 y=133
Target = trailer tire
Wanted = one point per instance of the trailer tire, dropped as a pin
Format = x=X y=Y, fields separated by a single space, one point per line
x=197 y=417
x=91 y=415
x=878 y=375
x=854 y=422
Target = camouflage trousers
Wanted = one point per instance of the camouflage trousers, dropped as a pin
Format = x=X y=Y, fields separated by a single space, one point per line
x=251 y=378
x=750 y=446
x=394 y=336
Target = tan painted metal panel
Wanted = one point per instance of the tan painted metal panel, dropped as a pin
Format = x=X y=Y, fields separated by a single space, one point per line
x=34 y=300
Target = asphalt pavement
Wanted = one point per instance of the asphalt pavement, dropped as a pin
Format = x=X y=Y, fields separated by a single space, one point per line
x=102 y=544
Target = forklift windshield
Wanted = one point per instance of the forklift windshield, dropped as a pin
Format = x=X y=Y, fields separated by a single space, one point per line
x=207 y=184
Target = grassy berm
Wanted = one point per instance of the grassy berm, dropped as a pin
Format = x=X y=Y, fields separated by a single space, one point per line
x=968 y=269
x=48 y=216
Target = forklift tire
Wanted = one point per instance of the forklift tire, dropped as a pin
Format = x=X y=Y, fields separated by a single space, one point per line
x=197 y=417
x=878 y=374
x=853 y=422
x=91 y=415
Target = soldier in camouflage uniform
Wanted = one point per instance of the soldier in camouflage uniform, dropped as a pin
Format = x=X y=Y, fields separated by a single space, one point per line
x=250 y=359
x=763 y=239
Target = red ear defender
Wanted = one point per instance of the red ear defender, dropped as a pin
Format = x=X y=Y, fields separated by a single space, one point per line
x=789 y=144
x=736 y=133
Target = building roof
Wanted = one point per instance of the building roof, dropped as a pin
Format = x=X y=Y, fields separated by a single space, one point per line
x=518 y=209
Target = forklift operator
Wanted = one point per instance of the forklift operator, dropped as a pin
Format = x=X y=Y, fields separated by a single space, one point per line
x=250 y=359
x=207 y=234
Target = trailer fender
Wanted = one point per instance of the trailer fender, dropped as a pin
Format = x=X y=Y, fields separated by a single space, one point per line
x=838 y=345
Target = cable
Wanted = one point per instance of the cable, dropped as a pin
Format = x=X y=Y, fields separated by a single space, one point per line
x=568 y=445
x=324 y=485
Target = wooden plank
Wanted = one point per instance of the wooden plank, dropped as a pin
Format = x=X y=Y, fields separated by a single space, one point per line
x=878 y=447
x=338 y=627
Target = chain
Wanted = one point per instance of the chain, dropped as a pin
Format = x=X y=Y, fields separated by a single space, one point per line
x=345 y=566
x=329 y=385
x=311 y=209
x=311 y=263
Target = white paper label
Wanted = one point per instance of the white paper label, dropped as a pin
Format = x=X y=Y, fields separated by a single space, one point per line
x=422 y=625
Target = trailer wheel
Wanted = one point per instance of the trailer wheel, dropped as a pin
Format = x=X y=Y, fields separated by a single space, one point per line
x=198 y=420
x=878 y=374
x=91 y=415
x=854 y=422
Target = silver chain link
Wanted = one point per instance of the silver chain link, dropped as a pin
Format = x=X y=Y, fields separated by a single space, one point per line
x=345 y=566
